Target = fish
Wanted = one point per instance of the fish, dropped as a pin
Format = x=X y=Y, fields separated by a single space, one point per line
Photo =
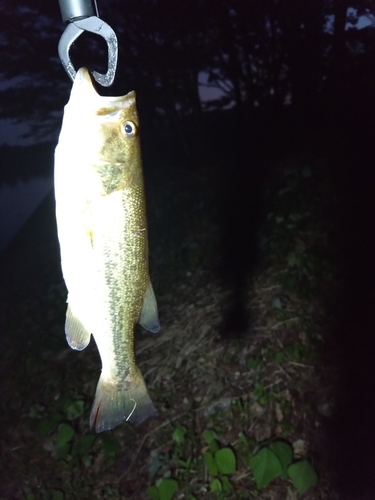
x=103 y=237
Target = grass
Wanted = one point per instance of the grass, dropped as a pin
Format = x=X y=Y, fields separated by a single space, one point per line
x=237 y=418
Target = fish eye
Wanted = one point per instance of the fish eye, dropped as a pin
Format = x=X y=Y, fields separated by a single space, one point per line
x=129 y=129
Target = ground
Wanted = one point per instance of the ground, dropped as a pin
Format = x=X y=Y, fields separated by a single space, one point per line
x=242 y=405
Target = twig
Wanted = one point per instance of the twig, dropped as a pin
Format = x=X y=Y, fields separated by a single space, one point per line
x=300 y=364
x=164 y=424
x=273 y=383
x=283 y=322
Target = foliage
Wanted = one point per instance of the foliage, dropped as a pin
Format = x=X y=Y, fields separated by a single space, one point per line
x=186 y=450
x=275 y=460
x=219 y=461
x=303 y=475
x=265 y=466
x=164 y=489
x=300 y=207
x=252 y=52
x=268 y=463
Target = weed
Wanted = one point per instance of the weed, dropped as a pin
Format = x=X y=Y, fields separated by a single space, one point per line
x=276 y=460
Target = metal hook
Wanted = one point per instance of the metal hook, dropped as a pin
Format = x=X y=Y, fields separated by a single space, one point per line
x=95 y=25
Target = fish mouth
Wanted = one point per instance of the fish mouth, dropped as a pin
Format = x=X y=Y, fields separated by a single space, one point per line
x=84 y=82
x=83 y=76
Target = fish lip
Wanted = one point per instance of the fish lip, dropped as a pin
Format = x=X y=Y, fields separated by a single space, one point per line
x=84 y=79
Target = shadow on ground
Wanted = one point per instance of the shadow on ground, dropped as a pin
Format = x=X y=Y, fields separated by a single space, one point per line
x=353 y=431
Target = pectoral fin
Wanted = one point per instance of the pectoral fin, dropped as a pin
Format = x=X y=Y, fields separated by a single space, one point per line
x=77 y=335
x=149 y=314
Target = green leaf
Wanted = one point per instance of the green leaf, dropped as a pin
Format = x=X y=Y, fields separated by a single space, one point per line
x=279 y=356
x=295 y=260
x=295 y=217
x=153 y=492
x=84 y=444
x=210 y=463
x=244 y=439
x=49 y=424
x=277 y=303
x=75 y=410
x=265 y=466
x=57 y=495
x=210 y=438
x=167 y=488
x=253 y=362
x=226 y=461
x=185 y=463
x=178 y=435
x=30 y=496
x=156 y=463
x=110 y=444
x=303 y=475
x=284 y=453
x=87 y=460
x=63 y=451
x=289 y=282
x=294 y=351
x=227 y=485
x=64 y=435
x=262 y=396
x=36 y=411
x=215 y=486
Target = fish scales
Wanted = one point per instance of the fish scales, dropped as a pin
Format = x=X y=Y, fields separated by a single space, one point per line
x=102 y=230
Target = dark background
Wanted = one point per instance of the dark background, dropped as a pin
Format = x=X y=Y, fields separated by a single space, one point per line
x=297 y=77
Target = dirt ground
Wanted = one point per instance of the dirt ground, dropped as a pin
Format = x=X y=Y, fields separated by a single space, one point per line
x=245 y=358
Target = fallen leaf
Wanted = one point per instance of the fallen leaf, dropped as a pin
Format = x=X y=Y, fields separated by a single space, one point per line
x=256 y=410
x=300 y=447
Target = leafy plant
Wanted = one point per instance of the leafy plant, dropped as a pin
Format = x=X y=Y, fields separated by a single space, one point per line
x=297 y=208
x=253 y=362
x=220 y=463
x=303 y=475
x=164 y=489
x=65 y=434
x=284 y=453
x=179 y=434
x=265 y=466
x=275 y=460
x=261 y=394
x=110 y=444
x=293 y=352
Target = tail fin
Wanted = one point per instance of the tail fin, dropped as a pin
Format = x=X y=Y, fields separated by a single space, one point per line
x=115 y=402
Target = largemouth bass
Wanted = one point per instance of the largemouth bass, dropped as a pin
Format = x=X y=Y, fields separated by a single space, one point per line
x=102 y=230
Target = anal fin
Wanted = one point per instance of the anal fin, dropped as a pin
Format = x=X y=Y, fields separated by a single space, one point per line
x=77 y=336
